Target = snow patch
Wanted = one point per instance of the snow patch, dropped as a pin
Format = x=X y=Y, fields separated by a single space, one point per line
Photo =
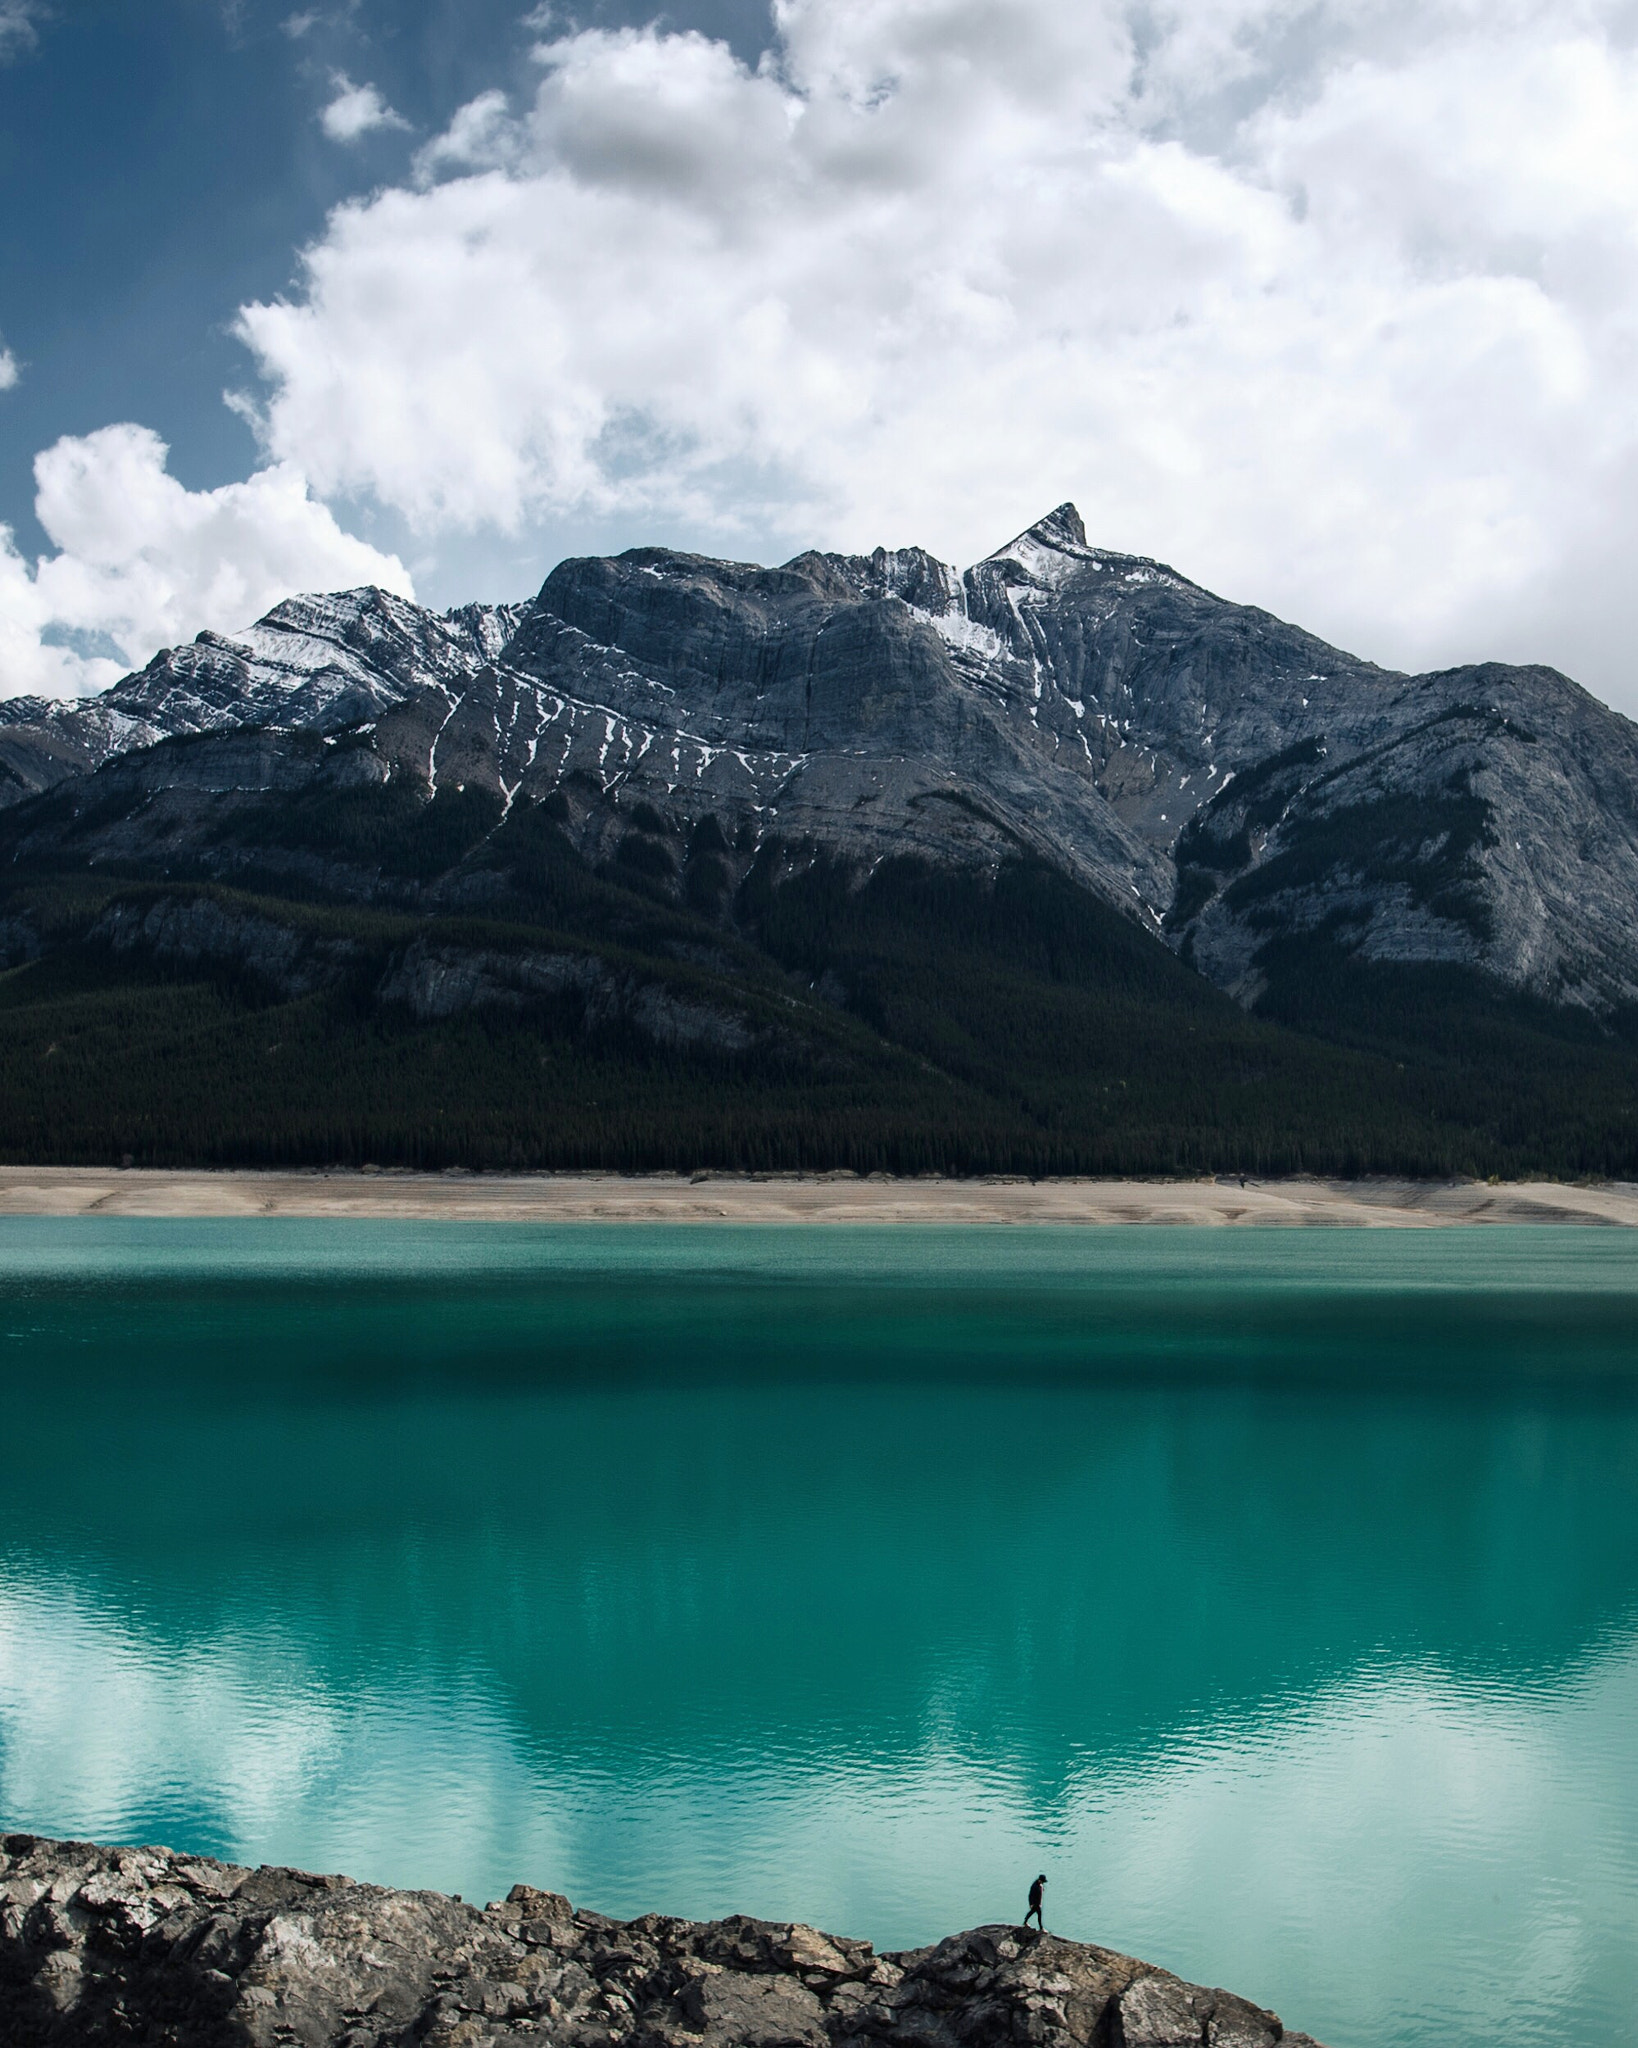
x=1045 y=563
x=957 y=630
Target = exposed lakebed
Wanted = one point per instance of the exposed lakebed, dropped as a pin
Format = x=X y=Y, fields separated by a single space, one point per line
x=1276 y=1594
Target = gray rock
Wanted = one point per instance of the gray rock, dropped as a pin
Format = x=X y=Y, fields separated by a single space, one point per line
x=126 y=1945
x=1159 y=2011
x=726 y=2005
x=198 y=931
x=434 y=980
x=443 y=981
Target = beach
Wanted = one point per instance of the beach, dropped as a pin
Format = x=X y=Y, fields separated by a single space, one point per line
x=818 y=1198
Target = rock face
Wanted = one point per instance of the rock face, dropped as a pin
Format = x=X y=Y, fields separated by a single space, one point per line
x=128 y=1945
x=1237 y=786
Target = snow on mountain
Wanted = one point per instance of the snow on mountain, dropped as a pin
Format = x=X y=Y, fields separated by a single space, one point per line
x=313 y=661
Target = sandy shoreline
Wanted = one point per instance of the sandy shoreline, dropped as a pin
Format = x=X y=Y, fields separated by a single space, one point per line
x=728 y=1198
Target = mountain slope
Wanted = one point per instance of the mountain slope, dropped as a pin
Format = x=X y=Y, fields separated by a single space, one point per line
x=858 y=861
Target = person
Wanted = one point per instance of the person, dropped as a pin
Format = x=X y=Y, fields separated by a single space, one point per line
x=1035 y=1891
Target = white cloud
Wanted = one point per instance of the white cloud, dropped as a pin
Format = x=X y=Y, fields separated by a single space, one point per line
x=18 y=33
x=9 y=371
x=1334 y=307
x=142 y=562
x=356 y=110
x=482 y=136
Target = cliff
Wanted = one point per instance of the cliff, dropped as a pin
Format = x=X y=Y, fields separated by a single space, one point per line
x=126 y=1945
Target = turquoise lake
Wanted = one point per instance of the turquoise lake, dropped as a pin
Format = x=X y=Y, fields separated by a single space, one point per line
x=1275 y=1592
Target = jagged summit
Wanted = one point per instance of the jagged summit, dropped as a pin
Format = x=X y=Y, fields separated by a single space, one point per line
x=1062 y=529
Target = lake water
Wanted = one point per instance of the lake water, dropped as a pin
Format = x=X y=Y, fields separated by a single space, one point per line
x=1276 y=1593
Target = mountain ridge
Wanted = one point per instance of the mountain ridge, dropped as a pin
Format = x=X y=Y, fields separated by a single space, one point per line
x=1097 y=709
x=1058 y=863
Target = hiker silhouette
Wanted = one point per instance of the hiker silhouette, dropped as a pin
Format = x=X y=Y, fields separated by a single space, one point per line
x=1035 y=1891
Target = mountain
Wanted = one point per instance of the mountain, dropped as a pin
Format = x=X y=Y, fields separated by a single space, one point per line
x=314 y=662
x=1057 y=861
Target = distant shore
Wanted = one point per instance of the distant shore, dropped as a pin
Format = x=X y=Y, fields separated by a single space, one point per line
x=814 y=1198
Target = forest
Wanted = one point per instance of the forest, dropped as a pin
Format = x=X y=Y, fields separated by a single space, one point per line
x=804 y=1018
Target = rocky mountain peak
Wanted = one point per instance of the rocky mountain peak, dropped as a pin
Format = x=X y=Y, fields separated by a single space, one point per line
x=1226 y=778
x=334 y=611
x=1062 y=527
x=1049 y=548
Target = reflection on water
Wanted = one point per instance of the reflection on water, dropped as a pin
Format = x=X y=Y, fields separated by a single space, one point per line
x=1277 y=1596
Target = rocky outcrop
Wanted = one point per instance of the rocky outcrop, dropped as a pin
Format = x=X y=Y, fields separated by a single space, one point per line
x=432 y=980
x=197 y=931
x=445 y=980
x=130 y=1945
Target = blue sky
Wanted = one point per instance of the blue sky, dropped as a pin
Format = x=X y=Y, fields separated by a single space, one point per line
x=163 y=161
x=1332 y=303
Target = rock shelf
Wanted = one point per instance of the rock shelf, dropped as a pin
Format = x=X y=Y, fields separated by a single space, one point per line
x=115 y=1945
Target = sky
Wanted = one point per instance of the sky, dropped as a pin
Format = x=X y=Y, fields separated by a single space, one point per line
x=1332 y=306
